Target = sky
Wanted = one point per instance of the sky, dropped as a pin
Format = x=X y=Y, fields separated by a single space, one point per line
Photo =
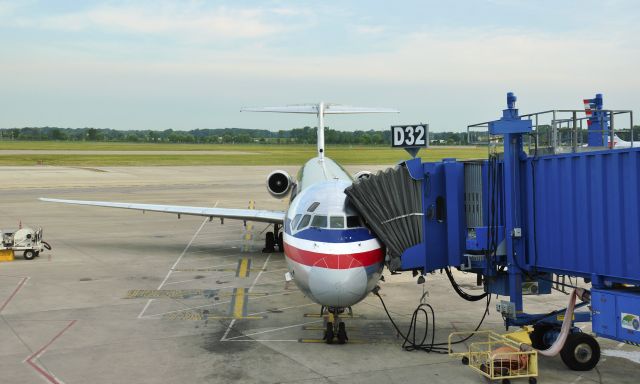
x=193 y=64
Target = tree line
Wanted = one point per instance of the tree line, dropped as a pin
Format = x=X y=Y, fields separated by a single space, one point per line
x=304 y=135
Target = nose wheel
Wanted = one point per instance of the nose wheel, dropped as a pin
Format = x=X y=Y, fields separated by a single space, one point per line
x=273 y=240
x=335 y=330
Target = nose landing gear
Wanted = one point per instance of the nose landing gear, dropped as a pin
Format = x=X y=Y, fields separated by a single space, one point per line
x=334 y=328
x=273 y=239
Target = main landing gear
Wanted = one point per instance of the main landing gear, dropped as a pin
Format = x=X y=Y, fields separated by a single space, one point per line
x=273 y=239
x=335 y=330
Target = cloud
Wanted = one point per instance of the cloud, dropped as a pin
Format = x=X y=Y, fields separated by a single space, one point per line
x=369 y=29
x=188 y=20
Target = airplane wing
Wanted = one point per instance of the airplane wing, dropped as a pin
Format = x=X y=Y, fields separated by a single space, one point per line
x=263 y=216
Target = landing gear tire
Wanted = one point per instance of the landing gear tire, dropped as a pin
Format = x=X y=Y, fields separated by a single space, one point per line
x=342 y=333
x=581 y=352
x=533 y=380
x=29 y=255
x=280 y=242
x=269 y=243
x=328 y=333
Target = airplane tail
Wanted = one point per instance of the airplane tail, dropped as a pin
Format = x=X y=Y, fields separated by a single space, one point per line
x=320 y=110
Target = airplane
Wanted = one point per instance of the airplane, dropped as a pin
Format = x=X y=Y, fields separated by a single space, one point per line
x=619 y=143
x=331 y=256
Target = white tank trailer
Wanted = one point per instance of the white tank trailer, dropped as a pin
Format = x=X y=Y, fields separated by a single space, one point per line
x=25 y=240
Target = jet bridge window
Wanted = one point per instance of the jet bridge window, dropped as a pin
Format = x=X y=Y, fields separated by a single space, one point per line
x=304 y=222
x=336 y=222
x=353 y=222
x=319 y=221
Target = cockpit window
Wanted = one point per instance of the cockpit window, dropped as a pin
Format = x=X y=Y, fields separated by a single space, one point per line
x=353 y=222
x=313 y=207
x=304 y=222
x=319 y=221
x=295 y=221
x=336 y=222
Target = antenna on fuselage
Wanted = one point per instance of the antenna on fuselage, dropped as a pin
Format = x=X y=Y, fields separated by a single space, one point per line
x=320 y=110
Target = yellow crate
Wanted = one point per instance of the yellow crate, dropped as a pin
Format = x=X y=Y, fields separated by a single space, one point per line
x=6 y=255
x=495 y=356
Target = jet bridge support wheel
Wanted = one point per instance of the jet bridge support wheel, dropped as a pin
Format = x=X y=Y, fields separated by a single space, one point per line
x=581 y=352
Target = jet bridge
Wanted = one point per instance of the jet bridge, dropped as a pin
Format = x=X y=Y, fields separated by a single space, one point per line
x=521 y=217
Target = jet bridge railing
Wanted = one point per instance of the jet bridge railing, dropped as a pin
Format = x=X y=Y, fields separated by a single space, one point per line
x=563 y=131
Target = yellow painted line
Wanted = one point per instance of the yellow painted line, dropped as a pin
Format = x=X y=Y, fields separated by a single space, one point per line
x=184 y=315
x=165 y=293
x=243 y=268
x=239 y=309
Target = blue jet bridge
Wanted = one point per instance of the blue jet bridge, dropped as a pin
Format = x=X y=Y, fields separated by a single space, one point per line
x=523 y=217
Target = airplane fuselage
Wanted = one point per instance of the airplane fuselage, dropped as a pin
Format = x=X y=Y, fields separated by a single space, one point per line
x=333 y=258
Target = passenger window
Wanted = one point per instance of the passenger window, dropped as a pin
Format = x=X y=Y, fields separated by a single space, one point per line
x=353 y=222
x=304 y=222
x=336 y=221
x=319 y=221
x=295 y=221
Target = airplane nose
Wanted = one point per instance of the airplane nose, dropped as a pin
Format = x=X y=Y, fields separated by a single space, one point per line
x=338 y=281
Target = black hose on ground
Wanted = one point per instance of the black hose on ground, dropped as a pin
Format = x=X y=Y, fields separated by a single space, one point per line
x=431 y=346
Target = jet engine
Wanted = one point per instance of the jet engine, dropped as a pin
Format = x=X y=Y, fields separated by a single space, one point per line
x=362 y=175
x=279 y=183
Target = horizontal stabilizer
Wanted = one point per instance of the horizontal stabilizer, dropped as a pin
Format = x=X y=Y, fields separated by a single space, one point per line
x=313 y=109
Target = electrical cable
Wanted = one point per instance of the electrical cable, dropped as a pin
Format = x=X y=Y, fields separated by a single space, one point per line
x=460 y=292
x=432 y=346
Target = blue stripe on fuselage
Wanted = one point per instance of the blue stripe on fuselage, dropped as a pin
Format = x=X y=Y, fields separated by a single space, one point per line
x=332 y=235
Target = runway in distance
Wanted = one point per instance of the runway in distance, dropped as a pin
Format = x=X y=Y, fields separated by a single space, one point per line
x=331 y=256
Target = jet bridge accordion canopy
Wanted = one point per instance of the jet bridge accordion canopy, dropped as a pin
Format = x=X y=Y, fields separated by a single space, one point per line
x=391 y=203
x=417 y=210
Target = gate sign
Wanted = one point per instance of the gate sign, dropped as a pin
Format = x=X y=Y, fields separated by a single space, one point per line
x=410 y=137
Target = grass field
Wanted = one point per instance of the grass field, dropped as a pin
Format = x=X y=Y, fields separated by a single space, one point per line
x=260 y=154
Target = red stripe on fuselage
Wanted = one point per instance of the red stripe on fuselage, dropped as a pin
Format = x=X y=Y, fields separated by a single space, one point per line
x=333 y=261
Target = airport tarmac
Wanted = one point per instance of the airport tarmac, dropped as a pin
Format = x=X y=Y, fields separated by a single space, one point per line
x=126 y=297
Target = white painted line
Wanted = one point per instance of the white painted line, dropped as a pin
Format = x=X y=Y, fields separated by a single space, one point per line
x=184 y=251
x=260 y=341
x=633 y=356
x=273 y=330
